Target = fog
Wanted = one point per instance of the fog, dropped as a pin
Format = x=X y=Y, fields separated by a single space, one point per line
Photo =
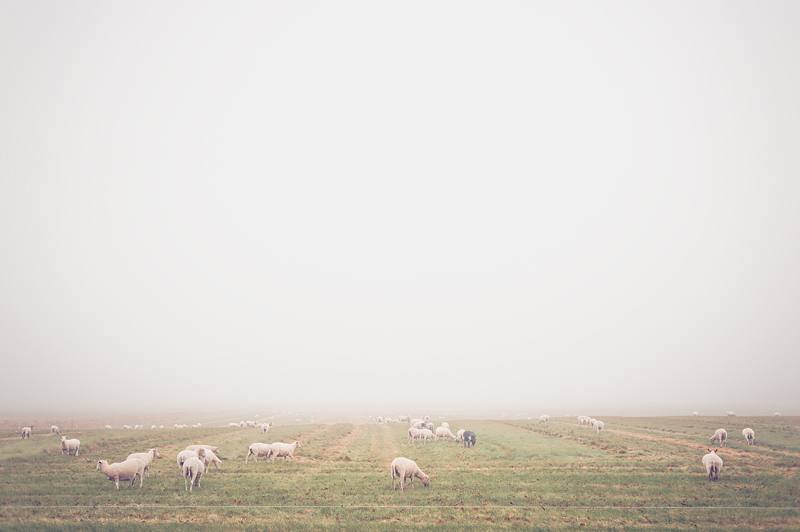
x=524 y=207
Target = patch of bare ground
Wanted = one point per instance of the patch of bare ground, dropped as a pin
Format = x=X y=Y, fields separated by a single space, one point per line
x=341 y=446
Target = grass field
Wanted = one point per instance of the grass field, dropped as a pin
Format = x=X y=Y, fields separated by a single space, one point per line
x=642 y=473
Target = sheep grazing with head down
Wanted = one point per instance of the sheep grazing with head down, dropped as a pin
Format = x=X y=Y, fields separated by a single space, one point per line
x=285 y=450
x=403 y=468
x=186 y=454
x=777 y=414
x=211 y=458
x=26 y=432
x=469 y=438
x=460 y=435
x=544 y=419
x=695 y=414
x=599 y=426
x=444 y=432
x=749 y=436
x=107 y=427
x=428 y=435
x=127 y=470
x=713 y=464
x=192 y=469
x=69 y=445
x=54 y=431
x=721 y=435
x=730 y=414
x=414 y=434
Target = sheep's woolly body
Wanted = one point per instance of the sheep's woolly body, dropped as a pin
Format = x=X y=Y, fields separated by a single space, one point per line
x=127 y=470
x=749 y=436
x=54 y=430
x=192 y=469
x=69 y=445
x=713 y=464
x=147 y=458
x=285 y=450
x=257 y=450
x=188 y=453
x=403 y=468
x=444 y=432
x=720 y=435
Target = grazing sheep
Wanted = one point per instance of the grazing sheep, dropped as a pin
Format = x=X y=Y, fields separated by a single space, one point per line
x=713 y=464
x=415 y=421
x=250 y=424
x=469 y=438
x=206 y=447
x=426 y=419
x=419 y=425
x=192 y=469
x=258 y=449
x=599 y=426
x=777 y=414
x=544 y=419
x=695 y=414
x=460 y=435
x=428 y=435
x=403 y=468
x=107 y=427
x=285 y=450
x=444 y=432
x=161 y=426
x=233 y=425
x=186 y=454
x=152 y=427
x=749 y=436
x=592 y=422
x=414 y=434
x=26 y=432
x=241 y=424
x=265 y=427
x=211 y=458
x=69 y=445
x=147 y=458
x=54 y=430
x=430 y=426
x=720 y=435
x=127 y=427
x=127 y=470
x=405 y=419
x=730 y=414
x=445 y=424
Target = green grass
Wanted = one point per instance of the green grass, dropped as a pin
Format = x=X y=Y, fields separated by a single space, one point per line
x=519 y=475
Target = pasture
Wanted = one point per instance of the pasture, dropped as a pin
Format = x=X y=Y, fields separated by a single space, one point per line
x=640 y=474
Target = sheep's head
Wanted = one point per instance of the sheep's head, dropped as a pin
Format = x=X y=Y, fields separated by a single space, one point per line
x=63 y=439
x=100 y=463
x=426 y=480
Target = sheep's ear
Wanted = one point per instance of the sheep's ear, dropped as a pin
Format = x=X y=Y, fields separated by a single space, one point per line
x=715 y=450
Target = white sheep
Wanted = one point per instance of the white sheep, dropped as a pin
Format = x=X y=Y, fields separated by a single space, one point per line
x=749 y=436
x=211 y=458
x=430 y=426
x=414 y=434
x=403 y=468
x=69 y=445
x=192 y=469
x=241 y=424
x=54 y=430
x=720 y=435
x=544 y=419
x=580 y=420
x=127 y=470
x=233 y=425
x=161 y=426
x=444 y=432
x=460 y=435
x=777 y=414
x=107 y=427
x=405 y=419
x=730 y=414
x=152 y=427
x=285 y=450
x=250 y=424
x=415 y=421
x=713 y=464
x=426 y=419
x=211 y=448
x=445 y=424
x=592 y=422
x=26 y=432
x=127 y=427
x=147 y=458
x=418 y=425
x=258 y=449
x=265 y=427
x=599 y=426
x=695 y=414
x=186 y=454
x=428 y=435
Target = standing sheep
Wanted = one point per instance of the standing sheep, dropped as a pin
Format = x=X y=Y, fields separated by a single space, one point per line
x=713 y=464
x=258 y=449
x=107 y=427
x=286 y=450
x=695 y=414
x=69 y=445
x=26 y=432
x=54 y=431
x=147 y=458
x=404 y=468
x=430 y=426
x=720 y=435
x=444 y=432
x=599 y=426
x=414 y=434
x=469 y=438
x=211 y=458
x=192 y=469
x=749 y=436
x=127 y=470
x=445 y=424
x=186 y=454
x=460 y=435
x=544 y=419
x=428 y=435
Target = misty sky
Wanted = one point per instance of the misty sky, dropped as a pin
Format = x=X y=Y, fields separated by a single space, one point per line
x=561 y=206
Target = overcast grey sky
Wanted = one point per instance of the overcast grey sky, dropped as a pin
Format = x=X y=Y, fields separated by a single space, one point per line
x=400 y=205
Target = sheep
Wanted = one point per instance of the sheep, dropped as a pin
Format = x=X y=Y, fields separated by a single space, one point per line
x=127 y=470
x=258 y=449
x=186 y=454
x=250 y=424
x=206 y=447
x=445 y=424
x=414 y=434
x=444 y=432
x=430 y=426
x=460 y=435
x=713 y=464
x=721 y=435
x=241 y=424
x=127 y=427
x=176 y=426
x=426 y=419
x=404 y=468
x=265 y=427
x=469 y=438
x=152 y=427
x=405 y=419
x=192 y=469
x=233 y=425
x=69 y=445
x=26 y=432
x=580 y=420
x=54 y=430
x=592 y=422
x=730 y=414
x=381 y=420
x=749 y=436
x=418 y=425
x=415 y=421
x=428 y=435
x=286 y=450
x=211 y=458
x=777 y=414
x=147 y=458
x=599 y=426
x=107 y=427
x=544 y=419
x=695 y=414
x=161 y=426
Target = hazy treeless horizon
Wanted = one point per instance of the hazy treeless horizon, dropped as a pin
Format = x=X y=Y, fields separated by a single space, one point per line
x=413 y=207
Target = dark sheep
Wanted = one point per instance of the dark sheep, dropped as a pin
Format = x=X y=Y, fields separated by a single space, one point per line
x=469 y=438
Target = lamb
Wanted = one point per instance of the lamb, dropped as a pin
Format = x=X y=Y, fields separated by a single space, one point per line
x=544 y=419
x=428 y=435
x=414 y=434
x=721 y=435
x=211 y=458
x=445 y=424
x=127 y=470
x=258 y=449
x=192 y=469
x=444 y=432
x=186 y=454
x=69 y=445
x=147 y=458
x=404 y=468
x=599 y=426
x=26 y=432
x=285 y=450
x=469 y=438
x=54 y=430
x=713 y=464
x=749 y=436
x=206 y=447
